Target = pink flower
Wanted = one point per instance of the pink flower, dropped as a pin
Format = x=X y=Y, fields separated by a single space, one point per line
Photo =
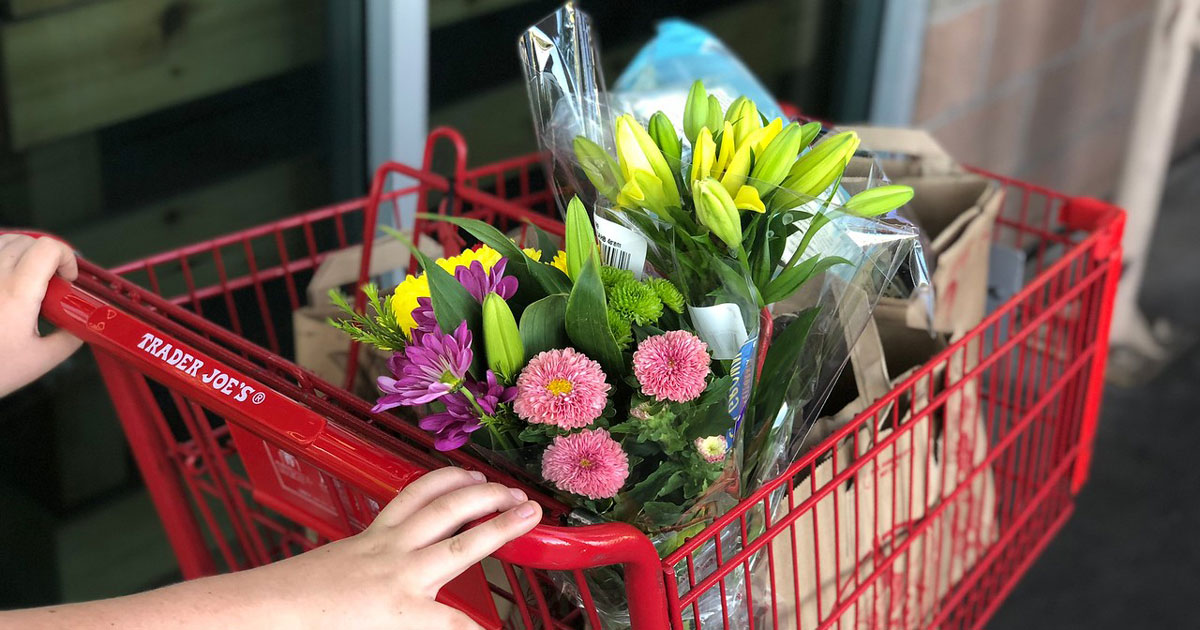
x=561 y=387
x=589 y=463
x=672 y=366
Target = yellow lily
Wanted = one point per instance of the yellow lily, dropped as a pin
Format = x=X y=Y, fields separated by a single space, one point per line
x=630 y=156
x=726 y=152
x=703 y=155
x=738 y=169
x=763 y=137
x=654 y=155
x=747 y=199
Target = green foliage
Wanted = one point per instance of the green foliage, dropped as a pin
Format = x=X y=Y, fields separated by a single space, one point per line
x=380 y=330
x=543 y=325
x=587 y=321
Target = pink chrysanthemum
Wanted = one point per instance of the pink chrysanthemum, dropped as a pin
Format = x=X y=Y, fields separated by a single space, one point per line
x=588 y=463
x=672 y=366
x=561 y=387
x=712 y=448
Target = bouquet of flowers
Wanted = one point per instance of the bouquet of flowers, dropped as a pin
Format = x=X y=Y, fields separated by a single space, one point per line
x=619 y=372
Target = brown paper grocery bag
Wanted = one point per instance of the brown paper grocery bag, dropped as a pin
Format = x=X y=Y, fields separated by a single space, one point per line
x=886 y=500
x=325 y=349
x=956 y=210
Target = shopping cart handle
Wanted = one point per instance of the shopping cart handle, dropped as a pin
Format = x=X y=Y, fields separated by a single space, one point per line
x=174 y=362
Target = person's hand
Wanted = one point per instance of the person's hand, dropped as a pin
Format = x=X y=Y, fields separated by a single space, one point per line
x=26 y=266
x=388 y=575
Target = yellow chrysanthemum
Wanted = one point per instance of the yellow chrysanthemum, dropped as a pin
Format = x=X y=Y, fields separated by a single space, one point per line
x=404 y=299
x=559 y=262
x=486 y=256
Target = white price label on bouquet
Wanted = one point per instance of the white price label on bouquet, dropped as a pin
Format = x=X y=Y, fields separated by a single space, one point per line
x=721 y=327
x=620 y=246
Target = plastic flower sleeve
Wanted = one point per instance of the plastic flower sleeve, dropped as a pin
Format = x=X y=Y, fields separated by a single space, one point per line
x=560 y=58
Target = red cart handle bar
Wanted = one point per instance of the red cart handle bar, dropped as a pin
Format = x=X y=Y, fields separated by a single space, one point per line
x=244 y=400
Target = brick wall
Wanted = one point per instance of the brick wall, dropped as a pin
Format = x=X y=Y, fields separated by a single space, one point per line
x=1042 y=89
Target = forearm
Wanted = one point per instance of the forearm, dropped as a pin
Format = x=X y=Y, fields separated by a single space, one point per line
x=225 y=602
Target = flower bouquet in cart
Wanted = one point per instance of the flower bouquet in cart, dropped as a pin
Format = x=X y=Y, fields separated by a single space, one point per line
x=638 y=372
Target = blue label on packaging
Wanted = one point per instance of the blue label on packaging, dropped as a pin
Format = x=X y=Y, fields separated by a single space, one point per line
x=742 y=374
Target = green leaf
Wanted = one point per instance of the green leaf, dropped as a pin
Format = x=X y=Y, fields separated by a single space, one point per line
x=786 y=347
x=543 y=325
x=783 y=361
x=786 y=283
x=587 y=319
x=581 y=238
x=526 y=270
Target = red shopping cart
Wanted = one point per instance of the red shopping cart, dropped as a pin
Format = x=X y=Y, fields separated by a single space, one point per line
x=923 y=511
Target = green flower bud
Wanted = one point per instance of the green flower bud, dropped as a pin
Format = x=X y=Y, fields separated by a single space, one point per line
x=818 y=169
x=877 y=201
x=664 y=135
x=745 y=120
x=714 y=114
x=501 y=339
x=580 y=238
x=716 y=211
x=777 y=159
x=695 y=112
x=670 y=296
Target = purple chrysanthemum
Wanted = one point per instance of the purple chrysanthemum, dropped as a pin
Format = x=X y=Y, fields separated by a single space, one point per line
x=479 y=281
x=428 y=370
x=490 y=393
x=425 y=319
x=453 y=427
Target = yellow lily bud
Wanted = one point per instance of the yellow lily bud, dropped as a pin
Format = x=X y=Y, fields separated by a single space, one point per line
x=716 y=211
x=654 y=156
x=738 y=169
x=726 y=152
x=746 y=121
x=747 y=199
x=776 y=160
x=643 y=191
x=501 y=338
x=695 y=112
x=629 y=152
x=703 y=155
x=763 y=137
x=816 y=170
